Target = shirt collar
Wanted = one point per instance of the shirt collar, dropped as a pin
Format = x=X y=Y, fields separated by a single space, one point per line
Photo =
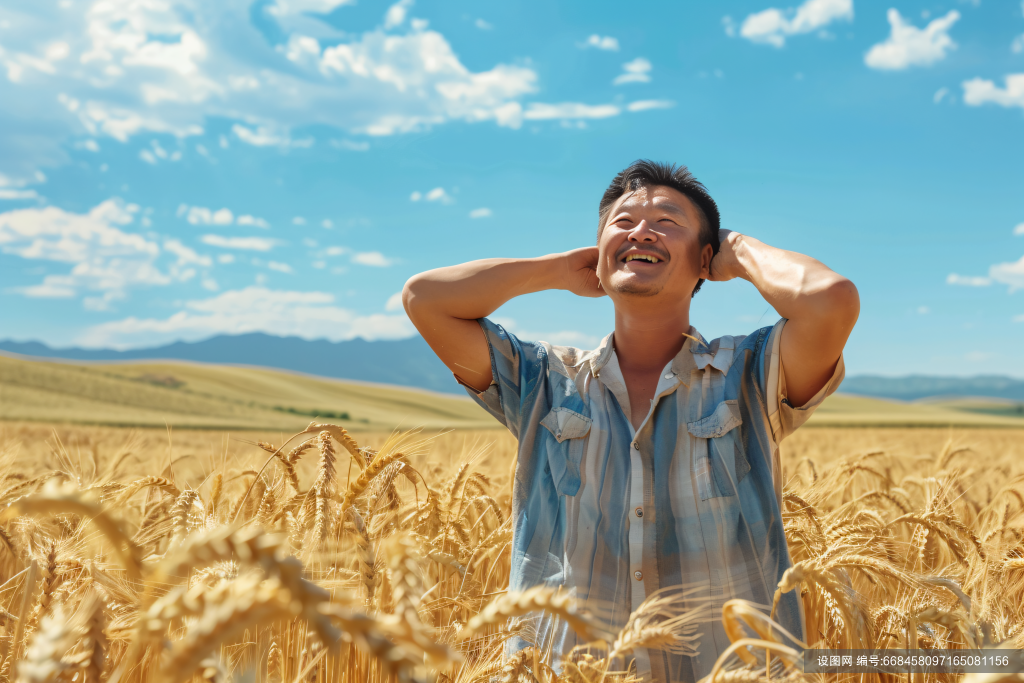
x=695 y=353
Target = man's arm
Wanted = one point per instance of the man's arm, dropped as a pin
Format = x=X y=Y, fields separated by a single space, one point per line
x=821 y=306
x=444 y=304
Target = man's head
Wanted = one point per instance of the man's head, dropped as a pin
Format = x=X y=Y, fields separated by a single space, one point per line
x=657 y=232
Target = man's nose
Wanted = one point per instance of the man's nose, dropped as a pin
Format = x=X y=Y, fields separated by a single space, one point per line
x=643 y=233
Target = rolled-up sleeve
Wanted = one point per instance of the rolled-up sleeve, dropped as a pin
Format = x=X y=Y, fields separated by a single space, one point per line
x=517 y=369
x=782 y=416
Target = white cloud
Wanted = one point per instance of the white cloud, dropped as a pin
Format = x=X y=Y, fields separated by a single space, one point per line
x=394 y=303
x=561 y=337
x=978 y=91
x=482 y=212
x=124 y=68
x=601 y=43
x=246 y=243
x=200 y=215
x=253 y=221
x=1017 y=46
x=186 y=255
x=336 y=251
x=11 y=194
x=923 y=310
x=483 y=25
x=310 y=315
x=396 y=13
x=102 y=254
x=327 y=224
x=636 y=71
x=909 y=46
x=1011 y=274
x=226 y=258
x=372 y=258
x=968 y=280
x=438 y=194
x=644 y=105
x=772 y=26
x=939 y=95
x=1019 y=230
x=156 y=153
x=279 y=267
x=298 y=220
x=268 y=136
x=538 y=111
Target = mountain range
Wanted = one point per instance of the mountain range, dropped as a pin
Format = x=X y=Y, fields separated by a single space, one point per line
x=410 y=362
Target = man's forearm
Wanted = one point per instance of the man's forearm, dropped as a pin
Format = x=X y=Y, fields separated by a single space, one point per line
x=445 y=303
x=476 y=289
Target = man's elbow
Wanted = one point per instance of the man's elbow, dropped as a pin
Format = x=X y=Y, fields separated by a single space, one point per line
x=841 y=303
x=412 y=295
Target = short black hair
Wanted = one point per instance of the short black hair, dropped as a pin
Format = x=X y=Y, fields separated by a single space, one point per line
x=645 y=173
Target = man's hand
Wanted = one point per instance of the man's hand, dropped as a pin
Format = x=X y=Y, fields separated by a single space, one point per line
x=726 y=265
x=580 y=268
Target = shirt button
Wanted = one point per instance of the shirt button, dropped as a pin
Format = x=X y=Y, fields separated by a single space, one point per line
x=669 y=376
x=636 y=445
x=639 y=512
x=639 y=575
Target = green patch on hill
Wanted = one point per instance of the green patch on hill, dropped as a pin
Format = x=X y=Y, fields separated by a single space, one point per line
x=844 y=410
x=196 y=396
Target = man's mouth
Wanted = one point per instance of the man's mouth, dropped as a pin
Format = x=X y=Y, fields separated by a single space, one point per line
x=646 y=258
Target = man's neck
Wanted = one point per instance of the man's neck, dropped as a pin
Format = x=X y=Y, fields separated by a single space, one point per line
x=645 y=341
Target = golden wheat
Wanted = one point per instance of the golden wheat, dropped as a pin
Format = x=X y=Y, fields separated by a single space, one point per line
x=226 y=567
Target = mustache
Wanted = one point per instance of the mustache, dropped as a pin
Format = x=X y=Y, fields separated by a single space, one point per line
x=650 y=249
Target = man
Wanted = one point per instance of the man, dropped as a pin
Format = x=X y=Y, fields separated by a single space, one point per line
x=653 y=460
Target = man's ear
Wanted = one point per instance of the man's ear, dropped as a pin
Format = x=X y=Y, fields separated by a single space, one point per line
x=706 y=253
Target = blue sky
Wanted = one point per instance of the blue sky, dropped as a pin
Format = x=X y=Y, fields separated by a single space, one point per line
x=176 y=170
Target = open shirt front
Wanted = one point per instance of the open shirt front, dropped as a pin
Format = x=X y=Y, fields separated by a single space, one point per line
x=691 y=498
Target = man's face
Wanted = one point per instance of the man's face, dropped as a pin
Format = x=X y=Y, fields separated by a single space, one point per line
x=650 y=246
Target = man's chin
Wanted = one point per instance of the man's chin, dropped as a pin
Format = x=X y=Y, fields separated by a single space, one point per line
x=632 y=288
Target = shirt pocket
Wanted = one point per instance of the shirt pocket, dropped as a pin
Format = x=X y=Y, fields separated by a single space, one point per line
x=569 y=432
x=718 y=460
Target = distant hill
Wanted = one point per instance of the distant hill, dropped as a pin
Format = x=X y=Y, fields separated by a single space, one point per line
x=914 y=387
x=193 y=395
x=405 y=362
x=411 y=363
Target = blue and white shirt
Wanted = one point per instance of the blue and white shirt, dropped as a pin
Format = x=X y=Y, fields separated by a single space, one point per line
x=692 y=497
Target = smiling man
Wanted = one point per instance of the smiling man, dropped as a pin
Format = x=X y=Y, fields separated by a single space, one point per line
x=651 y=461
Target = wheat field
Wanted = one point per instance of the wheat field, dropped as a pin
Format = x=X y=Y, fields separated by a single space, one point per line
x=163 y=556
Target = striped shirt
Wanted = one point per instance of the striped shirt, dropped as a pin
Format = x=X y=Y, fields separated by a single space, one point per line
x=693 y=497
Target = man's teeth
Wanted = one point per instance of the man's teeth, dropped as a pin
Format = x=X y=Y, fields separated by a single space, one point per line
x=642 y=257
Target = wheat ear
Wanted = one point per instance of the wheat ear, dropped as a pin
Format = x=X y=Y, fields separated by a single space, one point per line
x=535 y=599
x=366 y=476
x=162 y=483
x=275 y=664
x=322 y=486
x=56 y=499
